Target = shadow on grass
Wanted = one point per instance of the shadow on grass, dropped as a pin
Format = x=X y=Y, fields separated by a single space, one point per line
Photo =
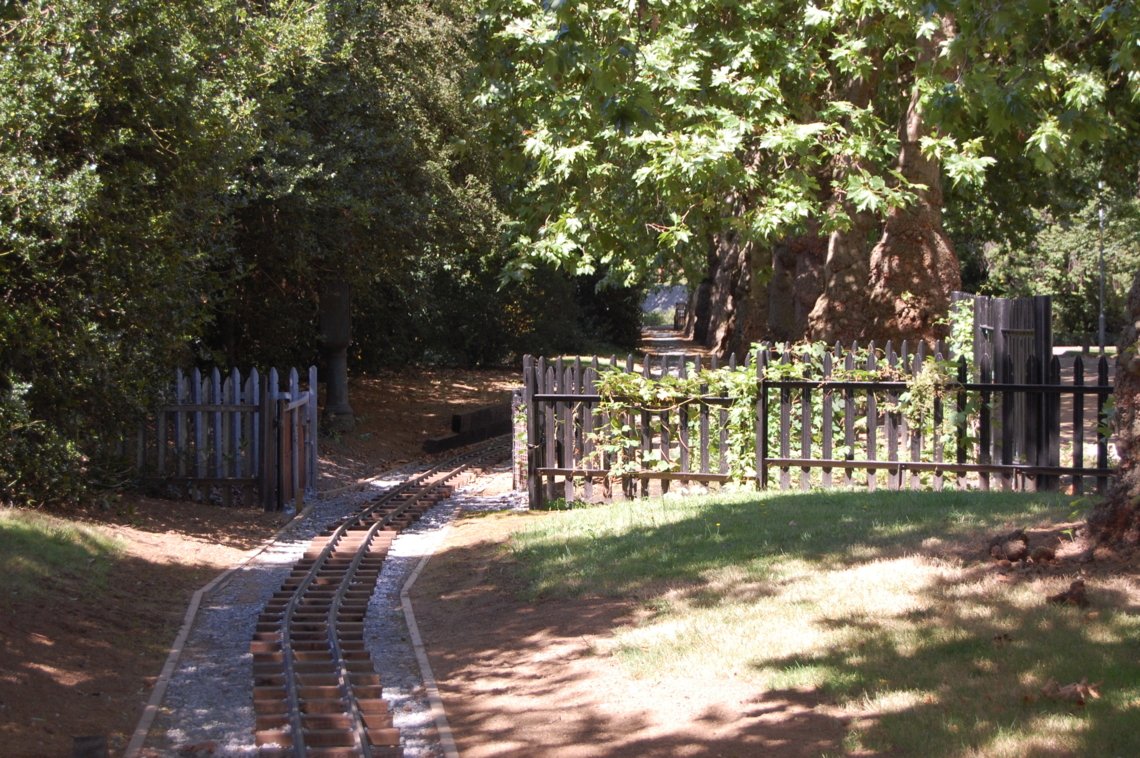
x=521 y=678
x=642 y=545
x=965 y=672
x=971 y=676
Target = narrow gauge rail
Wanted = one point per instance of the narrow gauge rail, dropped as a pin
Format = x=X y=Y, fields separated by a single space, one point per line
x=315 y=691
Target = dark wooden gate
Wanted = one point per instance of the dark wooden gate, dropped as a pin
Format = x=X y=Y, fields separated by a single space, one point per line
x=291 y=444
x=1014 y=336
x=1017 y=327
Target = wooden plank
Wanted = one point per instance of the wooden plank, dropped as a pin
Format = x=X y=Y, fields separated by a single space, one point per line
x=827 y=422
x=232 y=393
x=1033 y=413
x=294 y=430
x=884 y=465
x=181 y=426
x=268 y=444
x=1102 y=425
x=985 y=422
x=785 y=426
x=849 y=416
x=645 y=475
x=805 y=436
x=534 y=448
x=646 y=433
x=916 y=429
x=549 y=430
x=703 y=425
x=721 y=427
x=936 y=441
x=872 y=421
x=683 y=419
x=197 y=395
x=569 y=385
x=1007 y=430
x=762 y=418
x=1078 y=423
x=313 y=433
x=894 y=478
x=589 y=384
x=1053 y=416
x=253 y=395
x=960 y=420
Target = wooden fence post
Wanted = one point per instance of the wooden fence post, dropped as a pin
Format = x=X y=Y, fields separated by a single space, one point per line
x=872 y=421
x=270 y=464
x=1101 y=422
x=312 y=435
x=761 y=420
x=985 y=422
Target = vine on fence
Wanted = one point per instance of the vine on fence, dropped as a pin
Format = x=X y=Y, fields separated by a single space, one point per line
x=669 y=400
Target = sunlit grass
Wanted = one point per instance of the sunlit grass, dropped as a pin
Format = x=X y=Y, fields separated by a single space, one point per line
x=866 y=598
x=38 y=551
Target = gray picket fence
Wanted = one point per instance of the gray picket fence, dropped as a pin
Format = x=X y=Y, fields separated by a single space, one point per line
x=233 y=440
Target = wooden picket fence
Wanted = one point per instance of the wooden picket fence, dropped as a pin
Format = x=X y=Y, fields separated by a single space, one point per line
x=1002 y=433
x=233 y=440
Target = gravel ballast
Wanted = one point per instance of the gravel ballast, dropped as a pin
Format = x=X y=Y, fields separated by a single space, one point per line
x=207 y=706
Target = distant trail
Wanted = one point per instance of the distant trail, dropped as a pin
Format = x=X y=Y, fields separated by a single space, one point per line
x=661 y=340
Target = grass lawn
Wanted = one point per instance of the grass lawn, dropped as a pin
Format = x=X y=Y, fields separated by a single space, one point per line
x=887 y=603
x=38 y=551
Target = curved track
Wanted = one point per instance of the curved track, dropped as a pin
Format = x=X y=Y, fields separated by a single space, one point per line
x=315 y=691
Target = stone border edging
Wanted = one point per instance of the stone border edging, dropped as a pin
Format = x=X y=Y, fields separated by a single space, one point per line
x=150 y=710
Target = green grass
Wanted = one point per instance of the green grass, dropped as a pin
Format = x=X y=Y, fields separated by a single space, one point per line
x=40 y=552
x=863 y=597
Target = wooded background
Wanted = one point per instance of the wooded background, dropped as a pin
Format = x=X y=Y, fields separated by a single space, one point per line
x=388 y=182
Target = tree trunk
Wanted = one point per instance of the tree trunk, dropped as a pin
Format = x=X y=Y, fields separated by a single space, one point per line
x=729 y=302
x=751 y=294
x=794 y=287
x=721 y=303
x=336 y=335
x=913 y=267
x=841 y=311
x=1116 y=521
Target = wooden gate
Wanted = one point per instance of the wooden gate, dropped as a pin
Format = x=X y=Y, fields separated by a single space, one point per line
x=1017 y=334
x=1017 y=327
x=234 y=440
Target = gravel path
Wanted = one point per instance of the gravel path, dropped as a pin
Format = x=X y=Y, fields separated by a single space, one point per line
x=208 y=705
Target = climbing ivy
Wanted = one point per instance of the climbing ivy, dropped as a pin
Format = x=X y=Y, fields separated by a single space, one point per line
x=630 y=400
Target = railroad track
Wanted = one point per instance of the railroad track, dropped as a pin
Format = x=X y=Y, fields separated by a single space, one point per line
x=315 y=690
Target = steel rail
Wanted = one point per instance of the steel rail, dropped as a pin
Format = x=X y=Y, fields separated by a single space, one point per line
x=384 y=513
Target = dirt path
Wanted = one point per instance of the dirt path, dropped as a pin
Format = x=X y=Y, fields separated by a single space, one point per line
x=534 y=679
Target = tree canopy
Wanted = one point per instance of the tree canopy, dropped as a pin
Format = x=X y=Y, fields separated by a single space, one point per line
x=232 y=182
x=641 y=133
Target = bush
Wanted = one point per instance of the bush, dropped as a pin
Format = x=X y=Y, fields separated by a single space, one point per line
x=37 y=466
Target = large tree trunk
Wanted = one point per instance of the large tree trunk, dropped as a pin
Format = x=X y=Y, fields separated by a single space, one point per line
x=1116 y=521
x=841 y=311
x=731 y=284
x=794 y=287
x=913 y=267
x=721 y=304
